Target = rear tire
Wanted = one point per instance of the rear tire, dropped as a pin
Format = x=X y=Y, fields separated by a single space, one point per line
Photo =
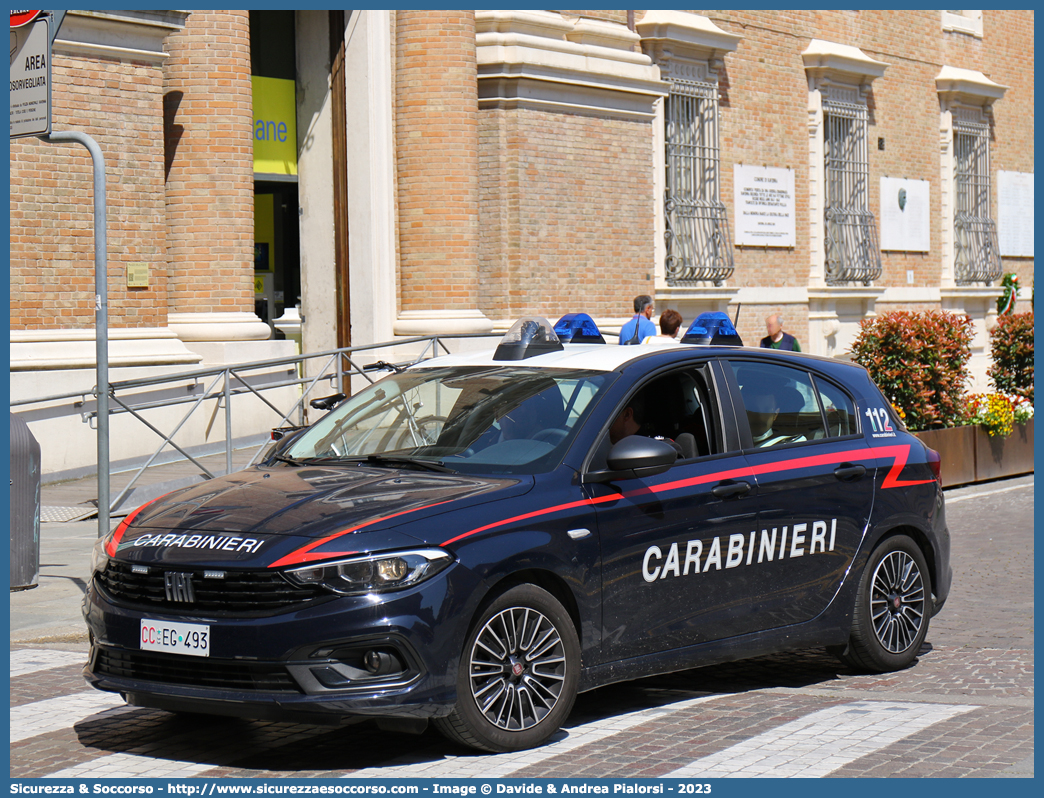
x=892 y=608
x=518 y=673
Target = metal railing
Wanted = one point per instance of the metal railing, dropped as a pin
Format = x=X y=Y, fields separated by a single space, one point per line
x=219 y=385
x=852 y=254
x=977 y=255
x=697 y=233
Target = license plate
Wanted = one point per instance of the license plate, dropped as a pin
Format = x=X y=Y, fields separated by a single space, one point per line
x=175 y=638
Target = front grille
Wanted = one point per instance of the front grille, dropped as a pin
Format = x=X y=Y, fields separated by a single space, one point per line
x=239 y=592
x=195 y=671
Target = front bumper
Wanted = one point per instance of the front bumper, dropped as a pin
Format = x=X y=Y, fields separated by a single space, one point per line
x=306 y=664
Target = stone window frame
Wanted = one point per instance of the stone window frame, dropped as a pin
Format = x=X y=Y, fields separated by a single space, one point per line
x=967 y=22
x=970 y=251
x=695 y=244
x=839 y=79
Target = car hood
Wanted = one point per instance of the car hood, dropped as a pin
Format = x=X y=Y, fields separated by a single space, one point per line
x=281 y=515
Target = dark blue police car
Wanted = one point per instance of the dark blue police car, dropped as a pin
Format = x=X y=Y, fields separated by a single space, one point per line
x=477 y=538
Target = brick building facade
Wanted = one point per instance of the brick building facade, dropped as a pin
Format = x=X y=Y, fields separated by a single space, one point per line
x=452 y=170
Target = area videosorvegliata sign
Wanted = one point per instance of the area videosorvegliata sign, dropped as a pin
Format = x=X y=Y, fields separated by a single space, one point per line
x=20 y=18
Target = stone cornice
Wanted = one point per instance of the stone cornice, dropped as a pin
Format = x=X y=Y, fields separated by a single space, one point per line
x=122 y=35
x=840 y=63
x=679 y=34
x=542 y=60
x=967 y=87
x=45 y=350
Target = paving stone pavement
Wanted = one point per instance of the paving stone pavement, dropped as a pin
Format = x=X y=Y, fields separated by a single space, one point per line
x=968 y=700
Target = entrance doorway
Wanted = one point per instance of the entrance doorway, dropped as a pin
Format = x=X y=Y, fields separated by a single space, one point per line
x=277 y=259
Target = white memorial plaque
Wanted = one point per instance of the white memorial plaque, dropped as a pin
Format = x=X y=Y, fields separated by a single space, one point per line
x=906 y=215
x=1015 y=214
x=765 y=206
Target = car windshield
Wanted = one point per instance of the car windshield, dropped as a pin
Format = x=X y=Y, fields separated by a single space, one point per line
x=501 y=420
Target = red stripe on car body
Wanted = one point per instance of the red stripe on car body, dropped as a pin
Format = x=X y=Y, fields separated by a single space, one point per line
x=898 y=453
x=121 y=530
x=302 y=555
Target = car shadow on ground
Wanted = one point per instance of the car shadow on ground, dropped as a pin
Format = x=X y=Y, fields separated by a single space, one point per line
x=243 y=748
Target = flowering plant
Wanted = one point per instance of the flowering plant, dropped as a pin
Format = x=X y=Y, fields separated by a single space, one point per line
x=1021 y=408
x=919 y=360
x=997 y=413
x=1011 y=348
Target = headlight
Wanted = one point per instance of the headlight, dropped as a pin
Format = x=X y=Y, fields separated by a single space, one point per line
x=374 y=573
x=99 y=557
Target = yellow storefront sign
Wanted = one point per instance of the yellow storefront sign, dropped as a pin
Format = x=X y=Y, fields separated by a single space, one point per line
x=275 y=126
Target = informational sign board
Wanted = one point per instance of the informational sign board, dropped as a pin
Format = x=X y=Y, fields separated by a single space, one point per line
x=31 y=79
x=906 y=215
x=275 y=126
x=765 y=206
x=1015 y=214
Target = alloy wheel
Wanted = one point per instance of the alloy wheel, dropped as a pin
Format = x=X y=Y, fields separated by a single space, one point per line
x=517 y=668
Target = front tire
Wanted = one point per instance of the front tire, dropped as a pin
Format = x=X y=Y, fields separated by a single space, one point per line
x=518 y=673
x=892 y=608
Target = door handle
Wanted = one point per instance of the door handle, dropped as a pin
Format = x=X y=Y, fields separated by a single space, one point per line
x=847 y=472
x=727 y=489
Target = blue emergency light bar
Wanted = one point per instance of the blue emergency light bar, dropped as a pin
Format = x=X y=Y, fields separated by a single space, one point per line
x=528 y=337
x=578 y=328
x=712 y=328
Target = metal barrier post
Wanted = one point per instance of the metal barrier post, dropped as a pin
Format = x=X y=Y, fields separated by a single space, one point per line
x=228 y=421
x=101 y=315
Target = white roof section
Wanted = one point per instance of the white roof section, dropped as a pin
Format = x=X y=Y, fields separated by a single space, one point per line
x=593 y=357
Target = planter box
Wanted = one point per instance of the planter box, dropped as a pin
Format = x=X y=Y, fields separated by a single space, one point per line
x=956 y=448
x=1004 y=457
x=968 y=454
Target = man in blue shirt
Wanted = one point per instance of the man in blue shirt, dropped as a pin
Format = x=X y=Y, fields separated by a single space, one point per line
x=635 y=331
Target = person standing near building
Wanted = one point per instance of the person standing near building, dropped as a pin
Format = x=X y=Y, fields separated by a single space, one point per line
x=670 y=323
x=641 y=326
x=776 y=338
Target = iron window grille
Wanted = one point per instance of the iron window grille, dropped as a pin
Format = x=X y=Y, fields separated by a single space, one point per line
x=699 y=247
x=977 y=255
x=852 y=253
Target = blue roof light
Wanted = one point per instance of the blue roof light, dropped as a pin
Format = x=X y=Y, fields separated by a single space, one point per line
x=528 y=337
x=712 y=328
x=578 y=328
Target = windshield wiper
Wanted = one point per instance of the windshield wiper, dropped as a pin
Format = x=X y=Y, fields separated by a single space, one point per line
x=428 y=465
x=282 y=458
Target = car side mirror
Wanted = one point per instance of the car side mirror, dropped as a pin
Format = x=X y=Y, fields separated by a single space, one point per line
x=636 y=457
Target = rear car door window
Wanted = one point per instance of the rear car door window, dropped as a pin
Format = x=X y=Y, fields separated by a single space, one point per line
x=838 y=409
x=780 y=403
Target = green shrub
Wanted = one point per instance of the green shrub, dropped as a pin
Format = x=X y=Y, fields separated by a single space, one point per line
x=919 y=360
x=1011 y=344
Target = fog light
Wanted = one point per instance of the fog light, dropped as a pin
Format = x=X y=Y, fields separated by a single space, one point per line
x=380 y=663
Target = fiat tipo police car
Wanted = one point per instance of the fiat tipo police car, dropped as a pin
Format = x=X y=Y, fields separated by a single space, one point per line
x=475 y=539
